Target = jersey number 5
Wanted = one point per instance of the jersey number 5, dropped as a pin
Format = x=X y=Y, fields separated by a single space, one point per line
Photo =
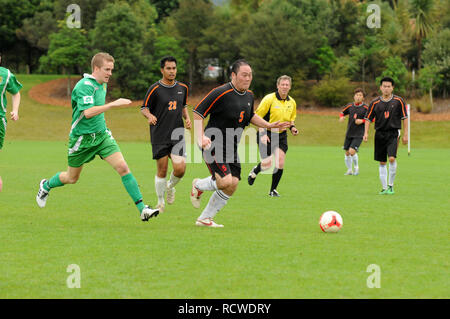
x=241 y=116
x=172 y=105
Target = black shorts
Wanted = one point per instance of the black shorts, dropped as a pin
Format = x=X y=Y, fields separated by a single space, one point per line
x=386 y=144
x=266 y=150
x=352 y=142
x=223 y=169
x=176 y=148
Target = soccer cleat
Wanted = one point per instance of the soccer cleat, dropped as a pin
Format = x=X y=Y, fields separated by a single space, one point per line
x=356 y=172
x=390 y=190
x=161 y=207
x=383 y=192
x=42 y=195
x=195 y=194
x=251 y=176
x=207 y=222
x=349 y=172
x=148 y=213
x=170 y=194
x=274 y=193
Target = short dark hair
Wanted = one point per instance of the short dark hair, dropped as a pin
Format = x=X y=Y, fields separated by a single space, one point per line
x=359 y=90
x=237 y=64
x=387 y=79
x=168 y=58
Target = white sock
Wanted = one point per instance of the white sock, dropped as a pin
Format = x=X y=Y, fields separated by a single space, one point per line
x=348 y=162
x=160 y=187
x=355 y=160
x=173 y=180
x=206 y=184
x=383 y=176
x=392 y=172
x=217 y=201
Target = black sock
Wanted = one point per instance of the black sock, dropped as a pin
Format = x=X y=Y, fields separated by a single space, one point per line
x=276 y=178
x=257 y=169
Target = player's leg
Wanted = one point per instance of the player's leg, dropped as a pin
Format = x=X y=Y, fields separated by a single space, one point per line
x=392 y=155
x=353 y=150
x=2 y=138
x=226 y=185
x=381 y=157
x=179 y=168
x=280 y=156
x=60 y=179
x=162 y=164
x=117 y=161
x=348 y=158
x=265 y=152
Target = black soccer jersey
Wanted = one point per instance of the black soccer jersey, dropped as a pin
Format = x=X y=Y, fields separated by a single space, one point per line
x=230 y=112
x=388 y=115
x=354 y=112
x=166 y=103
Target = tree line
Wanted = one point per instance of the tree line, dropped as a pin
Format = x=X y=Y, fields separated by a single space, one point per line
x=325 y=45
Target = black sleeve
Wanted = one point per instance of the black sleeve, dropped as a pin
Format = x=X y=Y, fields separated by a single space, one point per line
x=210 y=102
x=150 y=97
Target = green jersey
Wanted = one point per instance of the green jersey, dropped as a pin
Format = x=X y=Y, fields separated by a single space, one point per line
x=86 y=94
x=8 y=82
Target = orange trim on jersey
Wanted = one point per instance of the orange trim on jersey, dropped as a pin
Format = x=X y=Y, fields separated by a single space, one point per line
x=403 y=105
x=228 y=91
x=205 y=97
x=146 y=101
x=346 y=107
x=373 y=106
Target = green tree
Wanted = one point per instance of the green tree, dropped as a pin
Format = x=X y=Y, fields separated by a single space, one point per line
x=322 y=61
x=397 y=71
x=436 y=57
x=275 y=42
x=119 y=30
x=164 y=7
x=67 y=51
x=219 y=40
x=421 y=12
x=188 y=23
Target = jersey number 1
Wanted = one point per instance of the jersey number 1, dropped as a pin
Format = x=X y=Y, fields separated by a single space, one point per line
x=172 y=105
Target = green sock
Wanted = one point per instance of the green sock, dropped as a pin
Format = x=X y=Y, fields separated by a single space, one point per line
x=132 y=188
x=53 y=182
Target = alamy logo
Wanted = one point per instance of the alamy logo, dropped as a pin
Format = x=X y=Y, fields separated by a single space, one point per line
x=74 y=19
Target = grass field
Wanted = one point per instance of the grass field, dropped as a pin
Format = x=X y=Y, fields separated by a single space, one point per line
x=269 y=248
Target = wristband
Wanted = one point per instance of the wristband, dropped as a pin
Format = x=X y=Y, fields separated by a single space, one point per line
x=290 y=127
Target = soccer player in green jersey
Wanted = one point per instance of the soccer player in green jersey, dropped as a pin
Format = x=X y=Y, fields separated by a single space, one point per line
x=8 y=82
x=89 y=136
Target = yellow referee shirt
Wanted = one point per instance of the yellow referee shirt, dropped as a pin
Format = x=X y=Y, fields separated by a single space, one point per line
x=273 y=108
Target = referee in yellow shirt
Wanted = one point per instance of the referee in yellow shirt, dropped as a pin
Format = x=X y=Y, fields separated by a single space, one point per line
x=277 y=106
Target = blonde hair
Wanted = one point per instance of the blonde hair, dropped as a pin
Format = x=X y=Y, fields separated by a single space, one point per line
x=284 y=77
x=99 y=59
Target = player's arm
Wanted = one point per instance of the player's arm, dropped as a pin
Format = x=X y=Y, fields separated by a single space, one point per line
x=15 y=106
x=148 y=102
x=405 y=131
x=202 y=141
x=99 y=109
x=260 y=122
x=151 y=119
x=14 y=87
x=292 y=127
x=187 y=119
x=344 y=112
